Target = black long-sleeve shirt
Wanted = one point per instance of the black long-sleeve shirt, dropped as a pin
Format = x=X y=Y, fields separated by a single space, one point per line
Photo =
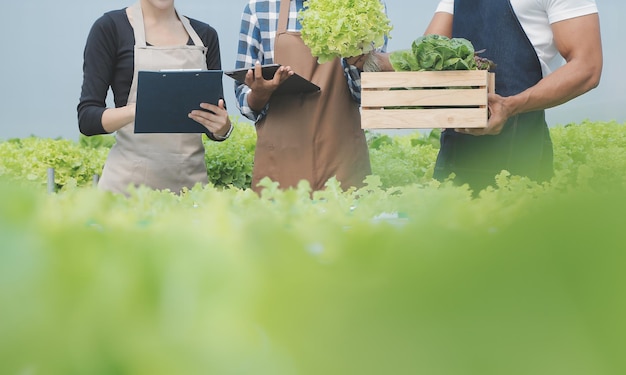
x=109 y=63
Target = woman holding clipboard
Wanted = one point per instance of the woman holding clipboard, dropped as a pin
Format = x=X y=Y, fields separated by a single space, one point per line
x=149 y=35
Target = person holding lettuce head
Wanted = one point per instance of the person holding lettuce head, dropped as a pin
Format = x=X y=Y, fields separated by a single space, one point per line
x=313 y=136
x=524 y=38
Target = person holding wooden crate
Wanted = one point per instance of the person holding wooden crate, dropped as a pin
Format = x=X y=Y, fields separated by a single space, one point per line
x=525 y=39
x=304 y=136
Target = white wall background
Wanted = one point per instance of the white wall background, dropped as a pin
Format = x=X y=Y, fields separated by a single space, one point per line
x=42 y=43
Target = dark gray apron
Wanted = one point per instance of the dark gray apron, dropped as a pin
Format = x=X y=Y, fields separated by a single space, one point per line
x=524 y=146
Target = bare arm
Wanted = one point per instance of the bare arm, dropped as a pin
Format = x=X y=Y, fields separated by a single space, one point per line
x=440 y=24
x=116 y=118
x=578 y=41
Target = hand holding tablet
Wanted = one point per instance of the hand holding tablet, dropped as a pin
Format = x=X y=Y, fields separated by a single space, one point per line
x=295 y=84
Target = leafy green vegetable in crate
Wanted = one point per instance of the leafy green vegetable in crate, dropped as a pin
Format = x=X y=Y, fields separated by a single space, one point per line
x=404 y=60
x=438 y=52
x=343 y=28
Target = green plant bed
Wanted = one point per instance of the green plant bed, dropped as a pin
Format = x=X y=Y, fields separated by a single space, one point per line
x=521 y=280
x=582 y=152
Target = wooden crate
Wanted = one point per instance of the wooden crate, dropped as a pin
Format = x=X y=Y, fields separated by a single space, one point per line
x=446 y=99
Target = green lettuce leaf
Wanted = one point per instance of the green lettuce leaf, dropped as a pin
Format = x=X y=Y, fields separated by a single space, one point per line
x=403 y=60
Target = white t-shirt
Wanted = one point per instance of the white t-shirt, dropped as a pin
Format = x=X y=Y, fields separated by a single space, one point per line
x=536 y=16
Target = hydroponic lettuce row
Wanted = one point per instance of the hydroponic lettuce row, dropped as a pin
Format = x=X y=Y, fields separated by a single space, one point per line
x=438 y=52
x=343 y=28
x=586 y=155
x=419 y=279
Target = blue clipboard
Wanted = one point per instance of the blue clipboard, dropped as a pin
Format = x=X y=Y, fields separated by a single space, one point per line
x=165 y=98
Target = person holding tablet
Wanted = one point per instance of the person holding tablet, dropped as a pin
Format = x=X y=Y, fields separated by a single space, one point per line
x=306 y=136
x=149 y=35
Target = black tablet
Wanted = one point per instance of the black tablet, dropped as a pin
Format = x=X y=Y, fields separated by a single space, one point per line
x=165 y=98
x=293 y=85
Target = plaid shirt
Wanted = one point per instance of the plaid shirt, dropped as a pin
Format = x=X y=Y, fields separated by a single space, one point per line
x=259 y=22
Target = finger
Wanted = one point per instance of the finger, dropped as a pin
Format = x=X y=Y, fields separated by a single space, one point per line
x=211 y=108
x=199 y=116
x=284 y=76
x=219 y=109
x=279 y=75
x=206 y=119
x=249 y=78
x=258 y=71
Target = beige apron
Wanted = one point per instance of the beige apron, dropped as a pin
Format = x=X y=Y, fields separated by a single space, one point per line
x=160 y=161
x=310 y=136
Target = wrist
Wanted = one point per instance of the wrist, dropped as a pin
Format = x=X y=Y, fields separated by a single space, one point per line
x=226 y=135
x=512 y=105
x=371 y=63
x=357 y=61
x=256 y=100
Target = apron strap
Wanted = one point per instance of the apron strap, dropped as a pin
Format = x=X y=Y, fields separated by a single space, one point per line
x=192 y=33
x=136 y=21
x=283 y=16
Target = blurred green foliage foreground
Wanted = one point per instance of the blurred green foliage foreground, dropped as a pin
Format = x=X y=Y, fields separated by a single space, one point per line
x=419 y=278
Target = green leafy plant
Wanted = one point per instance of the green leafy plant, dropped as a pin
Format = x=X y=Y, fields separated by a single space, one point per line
x=229 y=163
x=222 y=281
x=28 y=159
x=438 y=52
x=75 y=164
x=589 y=155
x=343 y=28
x=96 y=141
x=403 y=160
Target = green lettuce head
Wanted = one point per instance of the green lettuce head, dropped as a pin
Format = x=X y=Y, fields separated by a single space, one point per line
x=438 y=52
x=435 y=52
x=343 y=28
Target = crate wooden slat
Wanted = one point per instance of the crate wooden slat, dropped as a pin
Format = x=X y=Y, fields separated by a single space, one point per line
x=431 y=97
x=424 y=118
x=444 y=99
